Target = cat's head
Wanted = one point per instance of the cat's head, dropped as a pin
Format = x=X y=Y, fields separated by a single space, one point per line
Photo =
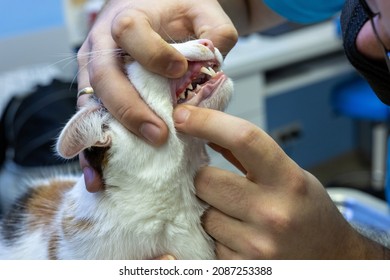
x=104 y=139
x=203 y=85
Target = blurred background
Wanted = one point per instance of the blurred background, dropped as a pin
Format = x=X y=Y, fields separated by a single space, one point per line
x=288 y=81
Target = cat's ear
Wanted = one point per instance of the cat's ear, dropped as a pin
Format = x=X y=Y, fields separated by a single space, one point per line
x=83 y=130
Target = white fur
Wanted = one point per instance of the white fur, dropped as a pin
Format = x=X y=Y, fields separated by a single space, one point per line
x=149 y=206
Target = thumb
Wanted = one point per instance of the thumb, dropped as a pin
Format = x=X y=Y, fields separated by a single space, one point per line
x=215 y=25
x=165 y=257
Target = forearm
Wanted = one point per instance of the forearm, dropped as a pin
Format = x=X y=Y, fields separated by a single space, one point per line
x=250 y=15
x=376 y=242
x=373 y=250
x=360 y=242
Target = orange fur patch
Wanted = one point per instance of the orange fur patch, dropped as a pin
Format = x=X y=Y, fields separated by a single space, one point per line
x=43 y=206
x=72 y=226
x=44 y=203
x=53 y=247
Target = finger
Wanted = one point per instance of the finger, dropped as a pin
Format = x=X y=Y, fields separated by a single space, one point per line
x=258 y=153
x=219 y=226
x=131 y=28
x=230 y=193
x=227 y=155
x=236 y=236
x=121 y=99
x=225 y=253
x=165 y=257
x=220 y=30
x=83 y=75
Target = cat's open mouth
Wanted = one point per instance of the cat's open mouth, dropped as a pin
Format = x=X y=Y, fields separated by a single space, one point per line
x=198 y=84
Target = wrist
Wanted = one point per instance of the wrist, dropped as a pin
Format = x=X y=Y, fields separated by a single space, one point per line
x=370 y=250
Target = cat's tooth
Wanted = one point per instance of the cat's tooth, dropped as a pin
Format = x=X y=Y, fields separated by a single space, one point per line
x=206 y=71
x=197 y=87
x=212 y=72
x=182 y=95
x=190 y=87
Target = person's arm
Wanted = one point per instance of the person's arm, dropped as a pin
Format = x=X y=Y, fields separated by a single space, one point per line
x=251 y=15
x=275 y=209
x=141 y=28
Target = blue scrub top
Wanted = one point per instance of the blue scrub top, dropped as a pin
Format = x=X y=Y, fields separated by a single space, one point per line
x=305 y=11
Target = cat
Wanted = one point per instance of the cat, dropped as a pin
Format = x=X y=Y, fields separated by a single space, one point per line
x=148 y=206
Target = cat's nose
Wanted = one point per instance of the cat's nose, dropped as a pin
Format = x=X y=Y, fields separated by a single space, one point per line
x=207 y=43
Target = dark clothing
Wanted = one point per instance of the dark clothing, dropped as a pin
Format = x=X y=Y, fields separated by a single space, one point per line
x=375 y=72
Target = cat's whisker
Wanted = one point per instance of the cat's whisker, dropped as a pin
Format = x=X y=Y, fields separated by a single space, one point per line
x=73 y=57
x=93 y=55
x=100 y=53
x=69 y=59
x=168 y=36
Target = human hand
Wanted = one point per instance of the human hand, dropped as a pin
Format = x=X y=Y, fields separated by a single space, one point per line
x=276 y=210
x=165 y=258
x=140 y=29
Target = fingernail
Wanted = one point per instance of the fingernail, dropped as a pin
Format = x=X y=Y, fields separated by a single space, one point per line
x=175 y=68
x=180 y=115
x=150 y=132
x=167 y=257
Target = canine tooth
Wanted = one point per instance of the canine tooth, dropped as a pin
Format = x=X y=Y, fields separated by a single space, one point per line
x=190 y=87
x=206 y=71
x=212 y=71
